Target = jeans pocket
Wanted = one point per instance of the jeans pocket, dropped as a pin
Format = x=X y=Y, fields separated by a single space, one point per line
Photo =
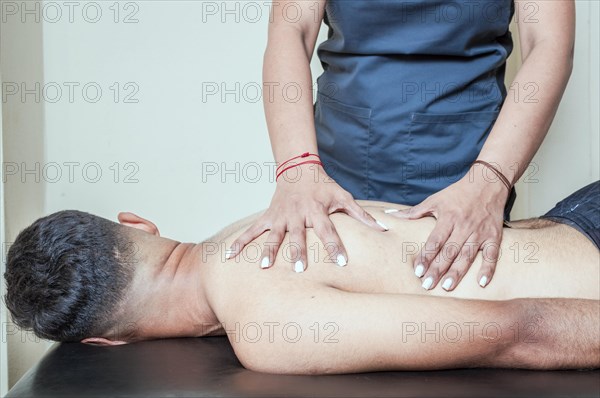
x=442 y=147
x=343 y=132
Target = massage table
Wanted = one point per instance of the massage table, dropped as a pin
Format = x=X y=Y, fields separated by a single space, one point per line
x=207 y=367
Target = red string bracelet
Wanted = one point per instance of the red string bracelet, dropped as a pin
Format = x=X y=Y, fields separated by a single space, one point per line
x=296 y=165
x=304 y=155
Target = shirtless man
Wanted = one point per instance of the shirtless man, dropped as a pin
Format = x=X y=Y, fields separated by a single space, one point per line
x=73 y=276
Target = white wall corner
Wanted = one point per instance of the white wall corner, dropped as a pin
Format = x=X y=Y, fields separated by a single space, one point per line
x=3 y=318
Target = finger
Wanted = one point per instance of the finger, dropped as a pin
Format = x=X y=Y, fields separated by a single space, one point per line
x=353 y=209
x=251 y=233
x=412 y=213
x=461 y=264
x=490 y=252
x=430 y=249
x=326 y=231
x=443 y=260
x=269 y=252
x=297 y=244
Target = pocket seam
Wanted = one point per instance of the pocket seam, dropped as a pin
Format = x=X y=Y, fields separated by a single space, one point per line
x=462 y=117
x=357 y=111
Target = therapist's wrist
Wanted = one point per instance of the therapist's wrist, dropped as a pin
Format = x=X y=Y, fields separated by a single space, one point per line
x=486 y=180
x=302 y=174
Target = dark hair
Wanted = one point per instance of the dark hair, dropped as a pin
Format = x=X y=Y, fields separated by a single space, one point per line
x=65 y=276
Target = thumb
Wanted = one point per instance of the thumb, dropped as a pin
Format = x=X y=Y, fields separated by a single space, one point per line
x=413 y=213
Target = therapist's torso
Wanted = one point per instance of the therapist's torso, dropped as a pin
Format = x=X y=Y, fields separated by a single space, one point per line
x=409 y=93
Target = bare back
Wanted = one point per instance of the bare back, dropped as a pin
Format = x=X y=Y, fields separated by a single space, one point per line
x=555 y=261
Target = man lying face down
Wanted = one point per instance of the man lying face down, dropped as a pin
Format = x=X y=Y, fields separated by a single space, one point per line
x=73 y=276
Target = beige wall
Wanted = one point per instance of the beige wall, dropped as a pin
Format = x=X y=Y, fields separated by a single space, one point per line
x=3 y=319
x=163 y=149
x=23 y=141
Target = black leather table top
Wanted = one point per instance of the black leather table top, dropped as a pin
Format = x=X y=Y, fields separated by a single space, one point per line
x=207 y=367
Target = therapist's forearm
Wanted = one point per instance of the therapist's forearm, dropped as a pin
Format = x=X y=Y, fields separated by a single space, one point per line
x=289 y=114
x=529 y=109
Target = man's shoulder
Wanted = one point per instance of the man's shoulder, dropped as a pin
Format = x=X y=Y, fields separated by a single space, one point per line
x=235 y=227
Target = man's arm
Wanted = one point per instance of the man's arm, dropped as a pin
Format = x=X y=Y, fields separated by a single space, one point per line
x=319 y=331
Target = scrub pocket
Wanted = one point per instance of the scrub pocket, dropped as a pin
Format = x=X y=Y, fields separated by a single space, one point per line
x=442 y=147
x=343 y=133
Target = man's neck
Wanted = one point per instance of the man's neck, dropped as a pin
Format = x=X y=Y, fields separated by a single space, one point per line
x=178 y=303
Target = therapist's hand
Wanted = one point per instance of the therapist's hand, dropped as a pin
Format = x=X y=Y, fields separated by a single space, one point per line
x=299 y=203
x=470 y=216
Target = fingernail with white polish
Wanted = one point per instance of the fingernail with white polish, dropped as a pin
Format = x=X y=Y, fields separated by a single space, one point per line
x=447 y=284
x=299 y=266
x=428 y=282
x=341 y=260
x=420 y=270
x=388 y=211
x=382 y=225
x=264 y=263
x=483 y=281
x=228 y=253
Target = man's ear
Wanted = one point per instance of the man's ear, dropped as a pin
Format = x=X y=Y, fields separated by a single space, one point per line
x=102 y=341
x=135 y=221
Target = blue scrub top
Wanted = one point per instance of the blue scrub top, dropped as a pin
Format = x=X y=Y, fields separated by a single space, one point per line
x=409 y=93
